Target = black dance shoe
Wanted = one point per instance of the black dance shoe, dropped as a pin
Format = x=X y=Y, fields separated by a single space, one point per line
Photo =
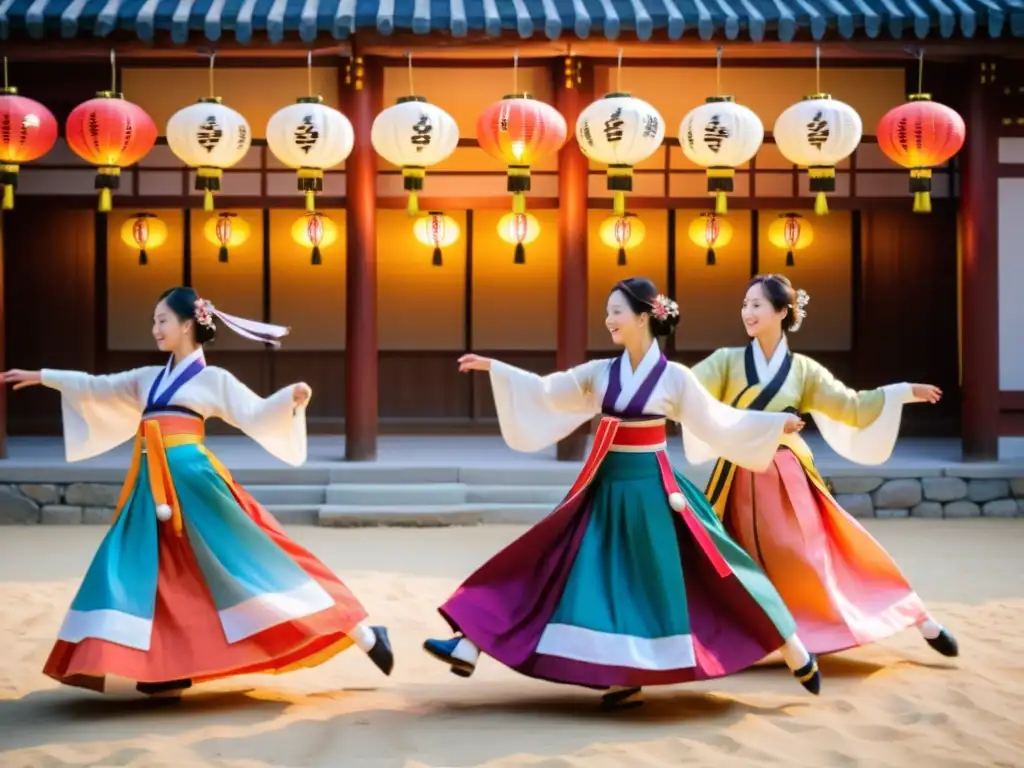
x=169 y=689
x=809 y=676
x=622 y=699
x=945 y=644
x=381 y=654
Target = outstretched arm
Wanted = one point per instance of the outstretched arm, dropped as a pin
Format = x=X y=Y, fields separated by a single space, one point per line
x=277 y=423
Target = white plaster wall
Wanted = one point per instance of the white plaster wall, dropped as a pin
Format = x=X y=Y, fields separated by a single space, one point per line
x=1011 y=283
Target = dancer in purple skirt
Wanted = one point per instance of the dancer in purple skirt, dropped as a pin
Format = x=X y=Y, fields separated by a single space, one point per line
x=631 y=580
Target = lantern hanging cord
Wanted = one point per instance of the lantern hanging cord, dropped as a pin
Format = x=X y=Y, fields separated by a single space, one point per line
x=309 y=72
x=213 y=93
x=411 y=91
x=817 y=69
x=113 y=72
x=618 y=74
x=920 y=70
x=515 y=71
x=718 y=71
x=6 y=85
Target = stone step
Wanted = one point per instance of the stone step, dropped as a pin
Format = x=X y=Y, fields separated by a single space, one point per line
x=516 y=494
x=267 y=495
x=423 y=494
x=426 y=515
x=295 y=514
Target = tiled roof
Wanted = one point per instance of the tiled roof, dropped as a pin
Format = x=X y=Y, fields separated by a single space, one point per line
x=242 y=20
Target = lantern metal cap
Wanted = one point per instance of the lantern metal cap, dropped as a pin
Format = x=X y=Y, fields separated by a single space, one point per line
x=618 y=95
x=310 y=100
x=407 y=99
x=718 y=99
x=790 y=215
x=919 y=97
x=143 y=215
x=209 y=100
x=109 y=95
x=523 y=95
x=10 y=90
x=815 y=96
x=435 y=213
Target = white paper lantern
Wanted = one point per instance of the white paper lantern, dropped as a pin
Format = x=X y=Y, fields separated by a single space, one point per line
x=619 y=131
x=414 y=135
x=209 y=137
x=310 y=136
x=817 y=134
x=720 y=135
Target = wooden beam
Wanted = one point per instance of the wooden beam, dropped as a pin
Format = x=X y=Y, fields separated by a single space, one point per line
x=979 y=288
x=573 y=87
x=361 y=84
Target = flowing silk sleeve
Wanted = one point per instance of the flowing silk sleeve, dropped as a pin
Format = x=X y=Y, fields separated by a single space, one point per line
x=859 y=426
x=537 y=411
x=713 y=373
x=99 y=412
x=273 y=422
x=711 y=429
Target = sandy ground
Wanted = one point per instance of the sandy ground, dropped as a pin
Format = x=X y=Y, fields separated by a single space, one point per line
x=897 y=703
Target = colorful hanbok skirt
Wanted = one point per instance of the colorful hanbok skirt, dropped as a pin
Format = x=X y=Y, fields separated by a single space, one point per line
x=842 y=587
x=216 y=590
x=631 y=580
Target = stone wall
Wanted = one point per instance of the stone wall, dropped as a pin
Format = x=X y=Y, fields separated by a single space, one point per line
x=862 y=496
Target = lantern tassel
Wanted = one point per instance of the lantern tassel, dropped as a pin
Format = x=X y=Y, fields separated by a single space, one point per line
x=310 y=200
x=789 y=259
x=8 y=197
x=520 y=254
x=619 y=202
x=143 y=257
x=316 y=261
x=222 y=254
x=821 y=204
x=208 y=200
x=437 y=262
x=922 y=202
x=711 y=257
x=721 y=206
x=413 y=206
x=106 y=203
x=622 y=257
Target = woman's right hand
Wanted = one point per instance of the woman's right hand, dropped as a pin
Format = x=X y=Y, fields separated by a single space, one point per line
x=471 y=362
x=793 y=424
x=20 y=378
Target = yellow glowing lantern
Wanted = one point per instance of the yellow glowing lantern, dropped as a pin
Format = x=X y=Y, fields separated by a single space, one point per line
x=228 y=230
x=314 y=230
x=711 y=231
x=792 y=232
x=622 y=232
x=519 y=229
x=436 y=230
x=144 y=231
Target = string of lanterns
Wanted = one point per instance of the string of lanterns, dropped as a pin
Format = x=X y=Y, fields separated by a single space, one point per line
x=618 y=131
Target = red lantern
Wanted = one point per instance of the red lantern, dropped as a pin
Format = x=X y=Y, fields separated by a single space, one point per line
x=110 y=133
x=920 y=135
x=315 y=234
x=519 y=130
x=28 y=131
x=223 y=231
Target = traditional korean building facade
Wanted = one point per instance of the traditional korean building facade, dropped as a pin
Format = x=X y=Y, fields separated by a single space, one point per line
x=377 y=324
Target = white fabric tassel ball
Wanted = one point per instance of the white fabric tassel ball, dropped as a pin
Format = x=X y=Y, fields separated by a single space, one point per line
x=163 y=512
x=677 y=501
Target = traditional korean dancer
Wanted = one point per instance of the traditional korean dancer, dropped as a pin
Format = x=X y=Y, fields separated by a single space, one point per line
x=843 y=588
x=194 y=581
x=632 y=580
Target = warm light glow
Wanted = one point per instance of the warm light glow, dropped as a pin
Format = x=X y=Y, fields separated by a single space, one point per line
x=436 y=230
x=622 y=232
x=790 y=232
x=516 y=228
x=227 y=229
x=306 y=225
x=143 y=232
x=710 y=230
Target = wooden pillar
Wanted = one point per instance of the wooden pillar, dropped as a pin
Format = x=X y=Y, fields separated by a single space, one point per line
x=572 y=85
x=979 y=270
x=361 y=101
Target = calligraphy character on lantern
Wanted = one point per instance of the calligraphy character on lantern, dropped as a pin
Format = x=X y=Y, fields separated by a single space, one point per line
x=631 y=580
x=843 y=588
x=195 y=580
